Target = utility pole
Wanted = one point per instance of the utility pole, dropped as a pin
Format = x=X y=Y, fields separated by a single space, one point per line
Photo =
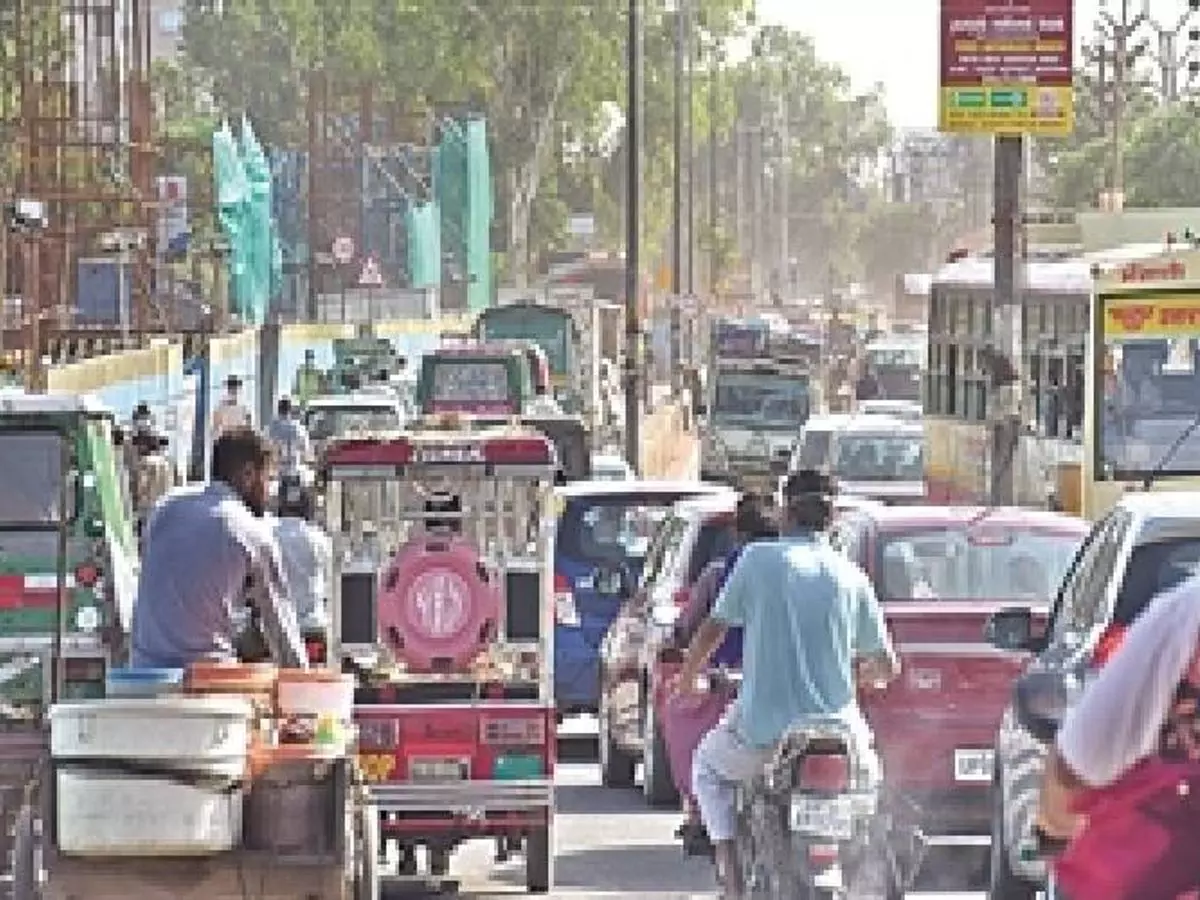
x=785 y=201
x=633 y=177
x=713 y=275
x=1006 y=315
x=673 y=312
x=690 y=141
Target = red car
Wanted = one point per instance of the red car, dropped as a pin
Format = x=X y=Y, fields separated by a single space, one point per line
x=939 y=573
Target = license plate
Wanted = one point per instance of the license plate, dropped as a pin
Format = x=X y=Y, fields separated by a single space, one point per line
x=973 y=766
x=830 y=817
x=439 y=769
x=376 y=767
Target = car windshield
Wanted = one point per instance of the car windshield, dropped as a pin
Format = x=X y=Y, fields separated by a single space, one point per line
x=895 y=357
x=814 y=449
x=612 y=530
x=771 y=401
x=985 y=562
x=327 y=422
x=879 y=457
x=1154 y=568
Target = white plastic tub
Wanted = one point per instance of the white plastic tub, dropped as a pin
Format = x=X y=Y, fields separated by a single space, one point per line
x=202 y=734
x=109 y=814
x=315 y=694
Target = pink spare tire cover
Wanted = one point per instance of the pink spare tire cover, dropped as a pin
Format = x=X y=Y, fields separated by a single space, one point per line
x=435 y=597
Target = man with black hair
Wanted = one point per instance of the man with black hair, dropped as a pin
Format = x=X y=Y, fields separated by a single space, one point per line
x=201 y=548
x=810 y=623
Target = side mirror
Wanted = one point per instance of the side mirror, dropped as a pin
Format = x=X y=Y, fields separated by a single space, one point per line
x=72 y=496
x=1010 y=629
x=1041 y=699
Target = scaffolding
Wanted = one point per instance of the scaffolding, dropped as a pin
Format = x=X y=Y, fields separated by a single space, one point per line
x=76 y=128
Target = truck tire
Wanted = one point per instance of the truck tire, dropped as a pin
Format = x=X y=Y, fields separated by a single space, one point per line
x=539 y=859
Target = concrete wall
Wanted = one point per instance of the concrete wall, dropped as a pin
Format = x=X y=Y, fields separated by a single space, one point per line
x=153 y=375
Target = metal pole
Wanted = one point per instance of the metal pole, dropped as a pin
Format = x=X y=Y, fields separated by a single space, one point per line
x=1005 y=407
x=677 y=172
x=633 y=177
x=690 y=143
x=1121 y=61
x=713 y=274
x=785 y=202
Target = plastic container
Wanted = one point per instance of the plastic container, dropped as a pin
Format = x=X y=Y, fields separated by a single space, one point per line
x=315 y=692
x=109 y=814
x=323 y=697
x=291 y=805
x=196 y=734
x=143 y=682
x=255 y=681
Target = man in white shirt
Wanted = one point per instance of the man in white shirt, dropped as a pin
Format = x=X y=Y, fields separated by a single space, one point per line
x=307 y=555
x=230 y=413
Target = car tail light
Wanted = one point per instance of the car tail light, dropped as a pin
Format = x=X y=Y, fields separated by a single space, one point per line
x=314 y=647
x=1109 y=643
x=527 y=732
x=822 y=856
x=682 y=597
x=565 y=612
x=824 y=772
x=87 y=574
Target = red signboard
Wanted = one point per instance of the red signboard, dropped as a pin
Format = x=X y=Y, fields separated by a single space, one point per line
x=1020 y=41
x=1006 y=66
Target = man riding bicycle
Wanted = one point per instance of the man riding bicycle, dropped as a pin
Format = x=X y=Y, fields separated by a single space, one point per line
x=810 y=623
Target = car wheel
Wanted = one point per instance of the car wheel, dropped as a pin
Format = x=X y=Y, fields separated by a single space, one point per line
x=657 y=785
x=1003 y=883
x=616 y=764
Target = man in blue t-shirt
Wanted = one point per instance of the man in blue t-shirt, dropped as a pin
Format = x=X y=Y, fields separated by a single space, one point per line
x=811 y=623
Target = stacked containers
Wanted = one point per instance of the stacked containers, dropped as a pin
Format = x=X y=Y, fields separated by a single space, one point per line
x=156 y=776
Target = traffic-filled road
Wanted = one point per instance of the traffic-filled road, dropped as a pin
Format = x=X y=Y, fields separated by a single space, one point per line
x=610 y=844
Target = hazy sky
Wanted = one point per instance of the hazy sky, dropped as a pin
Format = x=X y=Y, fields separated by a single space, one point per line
x=896 y=42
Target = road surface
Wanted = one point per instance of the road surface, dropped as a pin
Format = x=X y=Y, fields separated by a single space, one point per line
x=609 y=845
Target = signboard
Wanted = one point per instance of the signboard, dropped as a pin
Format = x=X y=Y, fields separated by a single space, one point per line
x=343 y=250
x=1006 y=67
x=581 y=225
x=370 y=276
x=172 y=213
x=1153 y=316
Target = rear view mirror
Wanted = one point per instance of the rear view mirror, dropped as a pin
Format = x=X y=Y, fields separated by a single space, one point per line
x=1010 y=629
x=1041 y=700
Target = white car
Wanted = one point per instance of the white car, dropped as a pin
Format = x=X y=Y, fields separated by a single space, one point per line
x=606 y=467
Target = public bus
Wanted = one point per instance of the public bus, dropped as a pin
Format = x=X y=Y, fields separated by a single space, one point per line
x=1062 y=375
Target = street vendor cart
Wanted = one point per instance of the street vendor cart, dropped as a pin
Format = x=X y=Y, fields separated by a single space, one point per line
x=443 y=607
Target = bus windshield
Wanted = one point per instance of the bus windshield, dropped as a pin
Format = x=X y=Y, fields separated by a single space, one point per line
x=755 y=398
x=1148 y=389
x=547 y=327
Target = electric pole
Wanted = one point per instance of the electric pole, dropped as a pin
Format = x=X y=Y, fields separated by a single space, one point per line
x=633 y=161
x=677 y=200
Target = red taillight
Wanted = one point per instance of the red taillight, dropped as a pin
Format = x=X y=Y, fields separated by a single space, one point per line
x=1109 y=643
x=682 y=597
x=86 y=575
x=315 y=648
x=825 y=772
x=565 y=612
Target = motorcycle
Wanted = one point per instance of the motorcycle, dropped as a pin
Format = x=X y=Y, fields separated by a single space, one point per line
x=814 y=825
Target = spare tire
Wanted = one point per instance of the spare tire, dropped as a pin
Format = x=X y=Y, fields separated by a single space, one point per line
x=437 y=603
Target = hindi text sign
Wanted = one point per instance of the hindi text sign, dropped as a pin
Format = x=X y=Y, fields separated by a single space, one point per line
x=1006 y=67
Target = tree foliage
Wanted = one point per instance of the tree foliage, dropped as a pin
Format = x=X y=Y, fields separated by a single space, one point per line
x=1160 y=143
x=549 y=76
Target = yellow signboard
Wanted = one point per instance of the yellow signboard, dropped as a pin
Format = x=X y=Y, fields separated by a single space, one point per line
x=1152 y=316
x=376 y=766
x=1045 y=111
